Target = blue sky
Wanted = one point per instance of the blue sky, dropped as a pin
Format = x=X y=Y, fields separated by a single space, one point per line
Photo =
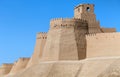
x=20 y=20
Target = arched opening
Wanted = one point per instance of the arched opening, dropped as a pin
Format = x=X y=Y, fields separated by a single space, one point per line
x=88 y=9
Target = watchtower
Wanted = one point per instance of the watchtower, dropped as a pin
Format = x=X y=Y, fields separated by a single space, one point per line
x=86 y=12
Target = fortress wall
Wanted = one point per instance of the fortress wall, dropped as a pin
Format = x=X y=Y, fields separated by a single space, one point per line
x=61 y=41
x=66 y=22
x=108 y=30
x=68 y=47
x=103 y=45
x=5 y=69
x=19 y=65
x=51 y=49
x=1 y=72
x=40 y=43
x=93 y=24
x=94 y=27
x=80 y=33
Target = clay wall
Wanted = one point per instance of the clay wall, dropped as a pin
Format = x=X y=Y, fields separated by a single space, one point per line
x=81 y=10
x=61 y=42
x=86 y=12
x=103 y=45
x=5 y=69
x=38 y=51
x=108 y=30
x=65 y=22
x=19 y=65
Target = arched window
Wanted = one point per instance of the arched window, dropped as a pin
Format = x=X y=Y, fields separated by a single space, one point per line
x=87 y=9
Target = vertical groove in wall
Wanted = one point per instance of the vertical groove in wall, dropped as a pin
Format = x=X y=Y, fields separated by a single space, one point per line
x=80 y=32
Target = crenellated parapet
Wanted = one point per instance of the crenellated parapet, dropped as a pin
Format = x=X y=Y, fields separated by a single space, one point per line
x=7 y=65
x=67 y=23
x=99 y=36
x=24 y=59
x=42 y=35
x=108 y=30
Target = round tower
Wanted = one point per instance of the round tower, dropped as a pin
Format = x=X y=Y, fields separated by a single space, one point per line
x=63 y=41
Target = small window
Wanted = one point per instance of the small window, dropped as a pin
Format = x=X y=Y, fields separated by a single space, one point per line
x=88 y=9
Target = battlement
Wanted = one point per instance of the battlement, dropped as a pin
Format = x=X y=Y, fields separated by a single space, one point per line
x=23 y=59
x=7 y=65
x=42 y=35
x=99 y=36
x=67 y=22
x=108 y=30
x=68 y=19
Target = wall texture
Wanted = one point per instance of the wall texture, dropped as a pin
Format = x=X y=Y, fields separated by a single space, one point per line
x=108 y=30
x=86 y=12
x=5 y=69
x=40 y=43
x=103 y=45
x=63 y=40
x=19 y=65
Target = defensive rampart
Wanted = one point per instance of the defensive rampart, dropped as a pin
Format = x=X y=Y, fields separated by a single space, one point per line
x=19 y=65
x=63 y=41
x=108 y=30
x=66 y=22
x=40 y=43
x=5 y=69
x=103 y=45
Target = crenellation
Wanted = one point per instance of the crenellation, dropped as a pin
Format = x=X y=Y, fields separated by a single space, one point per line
x=42 y=35
x=105 y=36
x=108 y=30
x=6 y=65
x=24 y=59
x=69 y=22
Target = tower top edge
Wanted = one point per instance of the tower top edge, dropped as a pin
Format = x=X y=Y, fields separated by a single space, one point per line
x=67 y=19
x=42 y=33
x=7 y=64
x=83 y=5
